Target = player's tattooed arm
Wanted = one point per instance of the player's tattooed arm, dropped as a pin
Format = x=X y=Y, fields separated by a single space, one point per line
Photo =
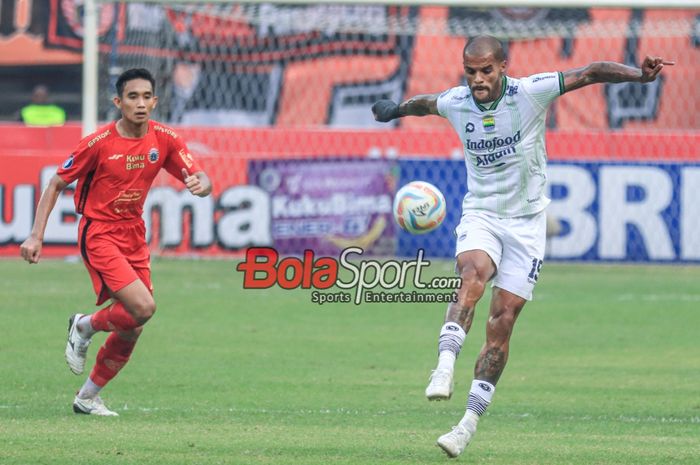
x=420 y=105
x=608 y=71
x=490 y=365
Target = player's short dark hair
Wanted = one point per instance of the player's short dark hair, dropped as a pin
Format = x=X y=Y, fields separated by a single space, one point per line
x=482 y=45
x=134 y=73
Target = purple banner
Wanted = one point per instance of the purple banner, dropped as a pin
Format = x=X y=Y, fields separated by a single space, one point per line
x=327 y=206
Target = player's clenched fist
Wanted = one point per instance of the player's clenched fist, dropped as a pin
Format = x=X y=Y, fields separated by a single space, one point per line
x=385 y=110
x=195 y=184
x=31 y=250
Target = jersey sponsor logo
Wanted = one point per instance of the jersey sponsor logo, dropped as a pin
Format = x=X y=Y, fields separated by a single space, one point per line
x=469 y=127
x=186 y=157
x=486 y=160
x=129 y=200
x=98 y=138
x=542 y=78
x=489 y=123
x=511 y=90
x=68 y=163
x=135 y=162
x=492 y=144
x=167 y=131
x=116 y=156
x=153 y=155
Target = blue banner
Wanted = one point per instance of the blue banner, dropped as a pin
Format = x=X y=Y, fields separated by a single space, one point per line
x=613 y=212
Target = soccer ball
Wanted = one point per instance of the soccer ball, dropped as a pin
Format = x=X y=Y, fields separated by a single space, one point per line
x=419 y=207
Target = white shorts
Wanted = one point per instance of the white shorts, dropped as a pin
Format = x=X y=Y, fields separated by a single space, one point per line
x=516 y=246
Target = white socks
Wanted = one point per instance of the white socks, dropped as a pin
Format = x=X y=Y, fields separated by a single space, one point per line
x=480 y=397
x=450 y=343
x=446 y=361
x=89 y=390
x=85 y=326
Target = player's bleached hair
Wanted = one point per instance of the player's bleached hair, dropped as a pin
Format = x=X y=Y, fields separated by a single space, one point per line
x=134 y=73
x=483 y=45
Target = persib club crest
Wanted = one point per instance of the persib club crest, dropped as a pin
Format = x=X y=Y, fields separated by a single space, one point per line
x=489 y=123
x=153 y=155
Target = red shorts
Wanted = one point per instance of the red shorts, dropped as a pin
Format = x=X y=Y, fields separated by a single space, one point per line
x=115 y=255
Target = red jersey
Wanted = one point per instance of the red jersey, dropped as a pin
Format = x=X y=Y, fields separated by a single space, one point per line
x=115 y=173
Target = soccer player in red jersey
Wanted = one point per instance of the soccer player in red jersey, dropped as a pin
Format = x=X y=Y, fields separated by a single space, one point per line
x=115 y=168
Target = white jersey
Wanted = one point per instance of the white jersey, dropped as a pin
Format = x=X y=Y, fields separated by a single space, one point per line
x=504 y=146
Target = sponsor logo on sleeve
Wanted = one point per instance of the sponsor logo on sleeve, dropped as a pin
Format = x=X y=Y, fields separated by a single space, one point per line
x=186 y=158
x=167 y=131
x=542 y=78
x=98 y=138
x=68 y=163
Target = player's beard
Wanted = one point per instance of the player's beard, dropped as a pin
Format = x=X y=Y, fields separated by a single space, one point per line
x=483 y=95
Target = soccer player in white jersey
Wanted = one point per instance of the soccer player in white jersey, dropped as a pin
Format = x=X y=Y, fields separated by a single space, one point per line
x=501 y=237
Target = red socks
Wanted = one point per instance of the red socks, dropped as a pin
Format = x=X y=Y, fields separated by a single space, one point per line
x=113 y=317
x=111 y=357
x=116 y=351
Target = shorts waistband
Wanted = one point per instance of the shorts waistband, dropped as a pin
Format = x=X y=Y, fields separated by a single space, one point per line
x=125 y=222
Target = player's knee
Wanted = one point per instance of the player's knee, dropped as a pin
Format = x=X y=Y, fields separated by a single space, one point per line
x=471 y=290
x=143 y=310
x=503 y=321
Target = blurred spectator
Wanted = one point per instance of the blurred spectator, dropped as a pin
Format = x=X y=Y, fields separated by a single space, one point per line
x=40 y=112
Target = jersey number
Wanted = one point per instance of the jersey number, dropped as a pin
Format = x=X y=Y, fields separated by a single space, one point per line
x=535 y=271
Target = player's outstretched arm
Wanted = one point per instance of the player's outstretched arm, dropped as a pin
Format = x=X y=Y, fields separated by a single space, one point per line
x=420 y=105
x=197 y=183
x=608 y=71
x=31 y=248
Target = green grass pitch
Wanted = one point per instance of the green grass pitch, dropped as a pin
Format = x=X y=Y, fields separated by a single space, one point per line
x=604 y=369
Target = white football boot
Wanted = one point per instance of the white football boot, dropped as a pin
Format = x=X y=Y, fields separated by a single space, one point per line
x=77 y=346
x=454 y=442
x=441 y=385
x=92 y=407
